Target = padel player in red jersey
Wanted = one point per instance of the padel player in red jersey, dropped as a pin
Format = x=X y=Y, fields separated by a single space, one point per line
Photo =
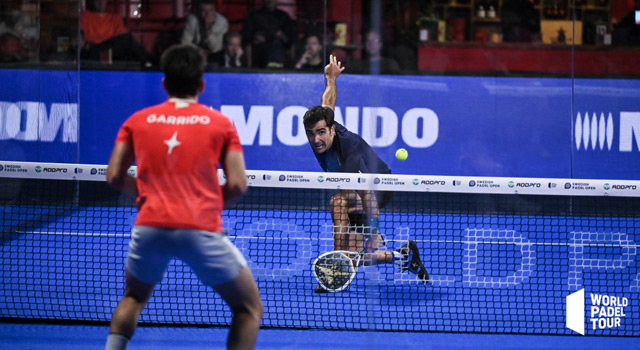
x=178 y=146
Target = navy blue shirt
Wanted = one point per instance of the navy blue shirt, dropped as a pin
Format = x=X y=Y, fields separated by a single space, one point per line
x=352 y=155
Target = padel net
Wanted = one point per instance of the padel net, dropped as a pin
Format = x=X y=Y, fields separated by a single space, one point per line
x=502 y=254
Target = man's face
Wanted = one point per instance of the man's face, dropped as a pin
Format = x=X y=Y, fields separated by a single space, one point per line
x=320 y=136
x=313 y=45
x=373 y=44
x=100 y=6
x=233 y=45
x=208 y=13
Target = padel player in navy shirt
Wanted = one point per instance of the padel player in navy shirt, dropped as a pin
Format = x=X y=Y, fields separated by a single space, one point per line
x=355 y=214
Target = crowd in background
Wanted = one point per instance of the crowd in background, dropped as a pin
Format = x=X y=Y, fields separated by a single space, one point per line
x=268 y=38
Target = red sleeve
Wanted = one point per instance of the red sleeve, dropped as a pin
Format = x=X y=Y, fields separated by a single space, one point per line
x=233 y=141
x=124 y=134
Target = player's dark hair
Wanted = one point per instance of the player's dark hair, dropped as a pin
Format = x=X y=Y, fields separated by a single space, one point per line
x=316 y=114
x=183 y=67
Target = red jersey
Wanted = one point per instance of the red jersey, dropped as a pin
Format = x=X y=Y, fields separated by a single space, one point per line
x=178 y=146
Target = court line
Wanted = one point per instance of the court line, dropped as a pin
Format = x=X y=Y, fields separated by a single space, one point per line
x=125 y=235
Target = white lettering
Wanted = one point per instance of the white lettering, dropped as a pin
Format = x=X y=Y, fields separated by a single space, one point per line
x=289 y=127
x=430 y=127
x=629 y=127
x=12 y=125
x=29 y=121
x=383 y=118
x=351 y=120
x=260 y=119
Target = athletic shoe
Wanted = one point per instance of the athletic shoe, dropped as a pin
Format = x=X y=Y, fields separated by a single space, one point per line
x=412 y=262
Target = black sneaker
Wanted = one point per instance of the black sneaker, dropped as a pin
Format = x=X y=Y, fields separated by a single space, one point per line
x=412 y=262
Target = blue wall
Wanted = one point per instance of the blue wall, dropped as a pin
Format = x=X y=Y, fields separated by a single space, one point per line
x=480 y=126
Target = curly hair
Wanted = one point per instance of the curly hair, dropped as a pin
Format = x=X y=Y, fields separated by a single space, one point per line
x=316 y=114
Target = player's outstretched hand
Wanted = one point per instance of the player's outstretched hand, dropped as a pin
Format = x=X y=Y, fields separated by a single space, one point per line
x=334 y=68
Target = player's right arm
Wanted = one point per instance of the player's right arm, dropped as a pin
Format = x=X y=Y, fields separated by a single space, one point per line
x=234 y=169
x=331 y=73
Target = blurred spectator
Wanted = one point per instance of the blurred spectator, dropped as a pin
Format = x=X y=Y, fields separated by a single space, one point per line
x=373 y=61
x=268 y=34
x=59 y=31
x=18 y=34
x=311 y=59
x=627 y=32
x=106 y=34
x=520 y=22
x=206 y=28
x=232 y=55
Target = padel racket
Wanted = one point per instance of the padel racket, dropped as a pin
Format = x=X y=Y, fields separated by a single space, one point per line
x=335 y=270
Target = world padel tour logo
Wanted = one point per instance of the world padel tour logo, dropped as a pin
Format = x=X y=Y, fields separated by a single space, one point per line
x=38 y=169
x=320 y=178
x=606 y=311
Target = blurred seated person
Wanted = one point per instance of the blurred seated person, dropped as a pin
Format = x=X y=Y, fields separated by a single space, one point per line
x=268 y=34
x=232 y=55
x=627 y=32
x=206 y=28
x=106 y=32
x=18 y=34
x=373 y=62
x=311 y=59
x=520 y=22
x=11 y=49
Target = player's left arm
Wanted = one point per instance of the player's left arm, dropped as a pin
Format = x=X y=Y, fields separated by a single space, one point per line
x=121 y=159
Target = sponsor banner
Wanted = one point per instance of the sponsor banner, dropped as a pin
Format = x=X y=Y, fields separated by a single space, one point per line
x=348 y=181
x=56 y=171
x=451 y=133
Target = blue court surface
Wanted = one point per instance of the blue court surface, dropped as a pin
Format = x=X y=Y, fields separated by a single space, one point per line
x=34 y=336
x=497 y=282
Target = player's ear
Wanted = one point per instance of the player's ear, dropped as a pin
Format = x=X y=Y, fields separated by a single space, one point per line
x=201 y=87
x=164 y=85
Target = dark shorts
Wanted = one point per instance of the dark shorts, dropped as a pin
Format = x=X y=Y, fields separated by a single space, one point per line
x=358 y=221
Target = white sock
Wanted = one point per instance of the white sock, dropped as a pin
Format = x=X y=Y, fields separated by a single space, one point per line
x=116 y=342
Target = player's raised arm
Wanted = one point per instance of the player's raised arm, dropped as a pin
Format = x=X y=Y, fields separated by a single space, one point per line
x=331 y=73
